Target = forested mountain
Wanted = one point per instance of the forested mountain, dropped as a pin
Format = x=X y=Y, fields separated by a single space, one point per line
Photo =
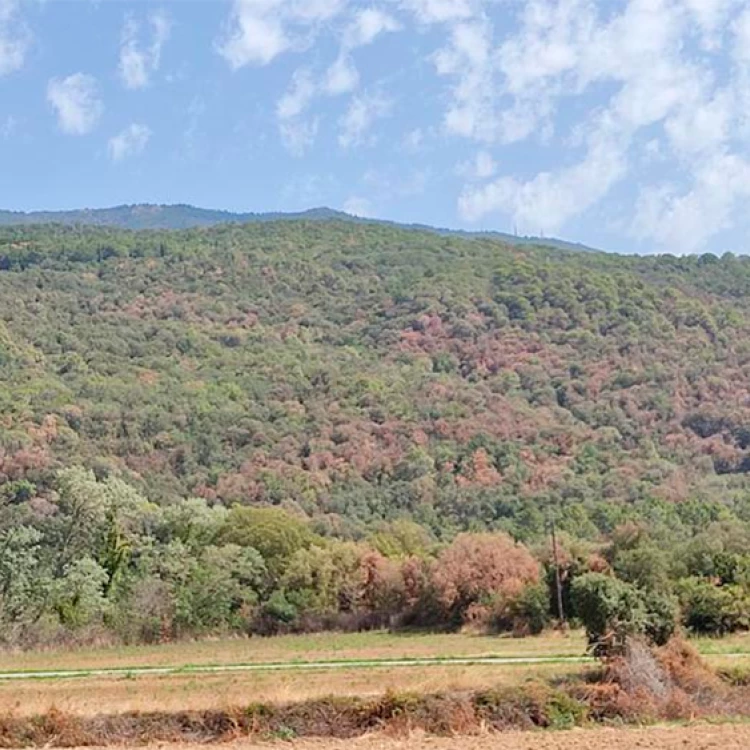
x=367 y=372
x=360 y=375
x=149 y=216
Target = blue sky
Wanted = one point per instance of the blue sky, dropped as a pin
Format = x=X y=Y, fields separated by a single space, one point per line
x=624 y=124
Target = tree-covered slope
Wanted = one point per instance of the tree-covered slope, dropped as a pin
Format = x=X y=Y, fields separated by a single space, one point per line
x=152 y=216
x=362 y=372
x=180 y=216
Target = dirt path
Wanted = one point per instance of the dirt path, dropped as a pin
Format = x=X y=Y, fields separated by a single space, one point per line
x=700 y=737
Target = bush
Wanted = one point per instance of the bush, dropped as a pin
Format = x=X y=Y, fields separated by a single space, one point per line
x=714 y=610
x=662 y=614
x=479 y=568
x=530 y=610
x=610 y=610
x=278 y=609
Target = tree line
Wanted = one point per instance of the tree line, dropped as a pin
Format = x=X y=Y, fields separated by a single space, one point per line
x=97 y=560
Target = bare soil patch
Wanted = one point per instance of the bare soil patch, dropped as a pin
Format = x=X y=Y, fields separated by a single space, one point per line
x=696 y=737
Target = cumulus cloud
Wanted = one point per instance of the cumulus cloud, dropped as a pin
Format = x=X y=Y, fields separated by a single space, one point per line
x=130 y=142
x=258 y=31
x=643 y=72
x=76 y=101
x=361 y=115
x=140 y=59
x=15 y=38
x=546 y=202
x=368 y=24
x=687 y=219
x=469 y=59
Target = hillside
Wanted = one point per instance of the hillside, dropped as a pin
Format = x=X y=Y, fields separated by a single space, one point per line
x=149 y=216
x=361 y=372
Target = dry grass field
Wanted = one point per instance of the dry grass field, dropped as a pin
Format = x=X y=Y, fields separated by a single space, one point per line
x=286 y=648
x=92 y=696
x=87 y=696
x=326 y=646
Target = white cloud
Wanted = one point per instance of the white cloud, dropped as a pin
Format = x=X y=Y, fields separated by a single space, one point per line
x=469 y=60
x=298 y=97
x=414 y=140
x=253 y=39
x=363 y=111
x=741 y=30
x=299 y=135
x=655 y=72
x=130 y=142
x=481 y=167
x=439 y=11
x=139 y=61
x=358 y=206
x=685 y=221
x=367 y=26
x=76 y=101
x=258 y=31
x=261 y=30
x=8 y=126
x=546 y=202
x=15 y=38
x=342 y=77
x=711 y=16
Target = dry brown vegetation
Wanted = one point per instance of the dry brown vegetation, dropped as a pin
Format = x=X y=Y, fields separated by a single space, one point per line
x=671 y=683
x=198 y=692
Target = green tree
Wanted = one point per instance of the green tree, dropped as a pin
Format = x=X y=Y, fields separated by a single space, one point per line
x=273 y=532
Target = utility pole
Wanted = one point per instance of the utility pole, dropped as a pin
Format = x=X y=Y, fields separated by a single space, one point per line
x=558 y=580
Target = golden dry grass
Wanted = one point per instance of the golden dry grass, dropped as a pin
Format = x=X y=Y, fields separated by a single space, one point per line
x=319 y=646
x=116 y=694
x=91 y=696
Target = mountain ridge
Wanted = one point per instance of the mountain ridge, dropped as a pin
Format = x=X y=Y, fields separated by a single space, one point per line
x=140 y=216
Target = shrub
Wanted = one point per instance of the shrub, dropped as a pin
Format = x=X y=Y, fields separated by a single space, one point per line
x=662 y=614
x=477 y=568
x=610 y=610
x=529 y=611
x=711 y=609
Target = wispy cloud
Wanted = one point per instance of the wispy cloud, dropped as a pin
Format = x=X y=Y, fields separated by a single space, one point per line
x=76 y=101
x=129 y=142
x=356 y=205
x=140 y=51
x=15 y=37
x=361 y=115
x=342 y=77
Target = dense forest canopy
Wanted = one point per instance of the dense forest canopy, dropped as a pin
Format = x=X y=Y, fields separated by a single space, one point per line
x=363 y=377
